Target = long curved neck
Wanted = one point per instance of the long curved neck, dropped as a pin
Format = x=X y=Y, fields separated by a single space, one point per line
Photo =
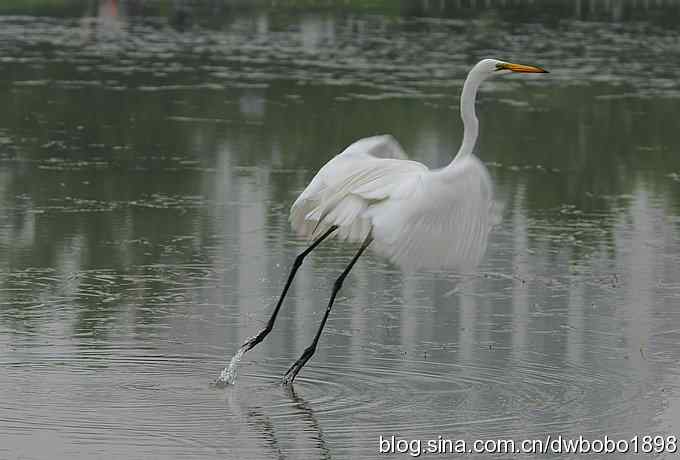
x=467 y=113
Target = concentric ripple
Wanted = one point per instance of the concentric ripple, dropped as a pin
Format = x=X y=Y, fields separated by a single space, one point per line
x=421 y=399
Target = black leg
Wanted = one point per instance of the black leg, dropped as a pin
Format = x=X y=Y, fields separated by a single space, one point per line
x=251 y=342
x=309 y=351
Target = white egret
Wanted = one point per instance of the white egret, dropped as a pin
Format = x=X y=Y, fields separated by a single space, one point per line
x=417 y=217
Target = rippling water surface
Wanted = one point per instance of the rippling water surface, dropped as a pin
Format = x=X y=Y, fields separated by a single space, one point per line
x=149 y=152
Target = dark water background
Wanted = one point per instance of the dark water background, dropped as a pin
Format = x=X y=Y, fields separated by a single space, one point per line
x=149 y=152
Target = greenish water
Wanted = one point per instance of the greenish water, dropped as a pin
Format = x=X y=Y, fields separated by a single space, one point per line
x=149 y=153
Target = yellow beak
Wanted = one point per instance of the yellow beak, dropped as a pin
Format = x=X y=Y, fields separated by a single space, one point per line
x=520 y=68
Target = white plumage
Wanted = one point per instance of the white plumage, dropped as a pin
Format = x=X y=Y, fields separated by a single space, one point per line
x=418 y=217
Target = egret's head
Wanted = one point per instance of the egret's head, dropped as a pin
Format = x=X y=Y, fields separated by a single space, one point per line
x=492 y=67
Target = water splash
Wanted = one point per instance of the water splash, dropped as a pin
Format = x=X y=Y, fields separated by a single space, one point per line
x=229 y=373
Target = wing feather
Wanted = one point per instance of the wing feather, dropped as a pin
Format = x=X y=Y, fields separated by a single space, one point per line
x=418 y=217
x=445 y=223
x=367 y=171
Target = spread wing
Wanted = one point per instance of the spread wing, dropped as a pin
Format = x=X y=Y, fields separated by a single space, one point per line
x=368 y=171
x=418 y=217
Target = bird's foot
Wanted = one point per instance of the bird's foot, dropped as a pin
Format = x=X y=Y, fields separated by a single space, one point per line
x=290 y=375
x=288 y=378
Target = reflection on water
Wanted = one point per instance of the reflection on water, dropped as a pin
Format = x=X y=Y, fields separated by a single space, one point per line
x=148 y=157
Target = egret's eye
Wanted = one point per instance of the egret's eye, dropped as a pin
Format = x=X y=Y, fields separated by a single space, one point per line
x=499 y=66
